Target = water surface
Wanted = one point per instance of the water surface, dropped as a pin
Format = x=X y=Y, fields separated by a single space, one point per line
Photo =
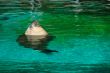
x=82 y=41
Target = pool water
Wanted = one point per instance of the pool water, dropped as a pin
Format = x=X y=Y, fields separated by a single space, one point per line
x=82 y=41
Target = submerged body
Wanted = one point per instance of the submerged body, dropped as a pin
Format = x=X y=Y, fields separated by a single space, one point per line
x=36 y=37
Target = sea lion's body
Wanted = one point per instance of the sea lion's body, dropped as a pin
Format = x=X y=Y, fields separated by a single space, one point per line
x=35 y=37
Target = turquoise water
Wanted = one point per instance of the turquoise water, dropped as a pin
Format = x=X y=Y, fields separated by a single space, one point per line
x=82 y=41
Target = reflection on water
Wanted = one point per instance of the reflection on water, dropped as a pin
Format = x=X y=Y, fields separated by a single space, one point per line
x=82 y=42
x=36 y=42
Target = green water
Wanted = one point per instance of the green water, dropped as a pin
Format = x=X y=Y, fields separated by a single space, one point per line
x=82 y=41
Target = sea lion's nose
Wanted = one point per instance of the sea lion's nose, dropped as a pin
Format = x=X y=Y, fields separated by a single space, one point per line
x=35 y=24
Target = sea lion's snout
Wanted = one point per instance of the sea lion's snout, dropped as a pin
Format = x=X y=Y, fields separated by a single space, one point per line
x=36 y=29
x=34 y=24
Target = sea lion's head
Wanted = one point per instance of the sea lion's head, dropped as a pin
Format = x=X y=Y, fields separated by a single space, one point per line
x=36 y=37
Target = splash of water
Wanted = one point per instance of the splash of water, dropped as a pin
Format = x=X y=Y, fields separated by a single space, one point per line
x=77 y=1
x=33 y=4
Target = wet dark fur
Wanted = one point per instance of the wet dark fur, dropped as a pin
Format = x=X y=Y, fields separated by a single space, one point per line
x=39 y=45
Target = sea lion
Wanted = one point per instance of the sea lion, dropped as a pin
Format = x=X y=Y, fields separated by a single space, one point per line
x=36 y=37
